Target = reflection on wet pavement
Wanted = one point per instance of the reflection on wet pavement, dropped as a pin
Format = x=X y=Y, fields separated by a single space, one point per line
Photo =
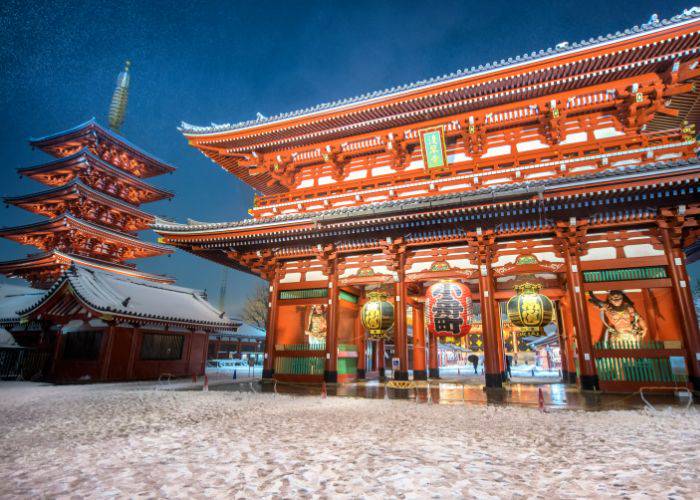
x=555 y=396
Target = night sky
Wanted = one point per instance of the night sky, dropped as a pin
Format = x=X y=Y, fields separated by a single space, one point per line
x=222 y=62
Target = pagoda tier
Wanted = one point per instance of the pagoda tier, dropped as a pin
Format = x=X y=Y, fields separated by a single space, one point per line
x=576 y=101
x=74 y=236
x=83 y=202
x=43 y=269
x=97 y=174
x=105 y=144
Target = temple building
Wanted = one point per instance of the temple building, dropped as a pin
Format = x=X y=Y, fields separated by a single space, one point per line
x=91 y=314
x=556 y=189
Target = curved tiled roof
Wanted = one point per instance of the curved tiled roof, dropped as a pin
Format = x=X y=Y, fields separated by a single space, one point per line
x=92 y=123
x=438 y=201
x=77 y=186
x=560 y=49
x=53 y=255
x=134 y=298
x=87 y=155
x=61 y=220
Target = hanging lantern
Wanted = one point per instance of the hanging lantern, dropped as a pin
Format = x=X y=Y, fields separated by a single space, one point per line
x=448 y=306
x=457 y=341
x=529 y=310
x=377 y=316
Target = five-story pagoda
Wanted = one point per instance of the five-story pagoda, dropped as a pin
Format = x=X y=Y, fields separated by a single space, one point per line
x=96 y=186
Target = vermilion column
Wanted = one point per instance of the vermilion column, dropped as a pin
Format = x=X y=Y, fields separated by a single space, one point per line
x=419 y=372
x=380 y=358
x=568 y=370
x=582 y=330
x=134 y=349
x=492 y=364
x=107 y=354
x=269 y=361
x=433 y=368
x=493 y=353
x=400 y=336
x=360 y=343
x=499 y=337
x=331 y=372
x=684 y=301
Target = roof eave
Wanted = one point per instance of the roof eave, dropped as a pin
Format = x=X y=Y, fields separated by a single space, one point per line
x=495 y=68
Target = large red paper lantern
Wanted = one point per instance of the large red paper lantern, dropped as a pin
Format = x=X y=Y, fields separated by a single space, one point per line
x=448 y=306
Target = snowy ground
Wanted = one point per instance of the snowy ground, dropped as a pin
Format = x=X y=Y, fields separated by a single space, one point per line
x=113 y=440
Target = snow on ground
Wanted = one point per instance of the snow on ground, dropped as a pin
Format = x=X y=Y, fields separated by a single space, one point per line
x=113 y=440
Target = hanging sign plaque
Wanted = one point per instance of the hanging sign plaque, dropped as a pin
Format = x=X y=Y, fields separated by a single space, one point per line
x=432 y=145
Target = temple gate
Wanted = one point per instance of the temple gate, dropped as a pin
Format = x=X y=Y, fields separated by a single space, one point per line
x=574 y=168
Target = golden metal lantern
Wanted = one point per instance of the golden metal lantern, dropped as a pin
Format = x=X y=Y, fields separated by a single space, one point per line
x=529 y=310
x=377 y=316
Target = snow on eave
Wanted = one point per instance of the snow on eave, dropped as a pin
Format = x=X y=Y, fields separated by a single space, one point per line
x=92 y=122
x=166 y=227
x=687 y=16
x=72 y=278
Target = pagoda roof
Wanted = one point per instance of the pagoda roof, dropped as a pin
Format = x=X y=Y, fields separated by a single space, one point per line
x=548 y=56
x=66 y=222
x=77 y=161
x=76 y=188
x=407 y=208
x=130 y=298
x=58 y=259
x=92 y=129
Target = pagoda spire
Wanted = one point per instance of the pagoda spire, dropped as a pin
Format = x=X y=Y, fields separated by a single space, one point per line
x=117 y=109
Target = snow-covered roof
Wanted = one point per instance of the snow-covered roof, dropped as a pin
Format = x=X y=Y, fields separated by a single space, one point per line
x=562 y=48
x=14 y=298
x=92 y=124
x=77 y=186
x=7 y=341
x=383 y=208
x=246 y=330
x=88 y=156
x=132 y=298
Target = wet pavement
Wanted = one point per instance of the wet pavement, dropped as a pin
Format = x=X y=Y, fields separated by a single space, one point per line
x=556 y=396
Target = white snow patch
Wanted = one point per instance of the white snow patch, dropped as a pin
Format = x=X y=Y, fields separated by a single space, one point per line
x=114 y=441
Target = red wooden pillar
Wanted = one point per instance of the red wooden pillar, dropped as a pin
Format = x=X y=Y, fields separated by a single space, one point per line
x=106 y=357
x=571 y=237
x=419 y=372
x=380 y=358
x=499 y=336
x=684 y=301
x=331 y=371
x=568 y=369
x=493 y=353
x=400 y=335
x=360 y=341
x=205 y=350
x=189 y=339
x=133 y=350
x=269 y=357
x=433 y=369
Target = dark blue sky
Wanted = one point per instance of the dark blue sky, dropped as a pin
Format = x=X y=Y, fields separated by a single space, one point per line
x=221 y=62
